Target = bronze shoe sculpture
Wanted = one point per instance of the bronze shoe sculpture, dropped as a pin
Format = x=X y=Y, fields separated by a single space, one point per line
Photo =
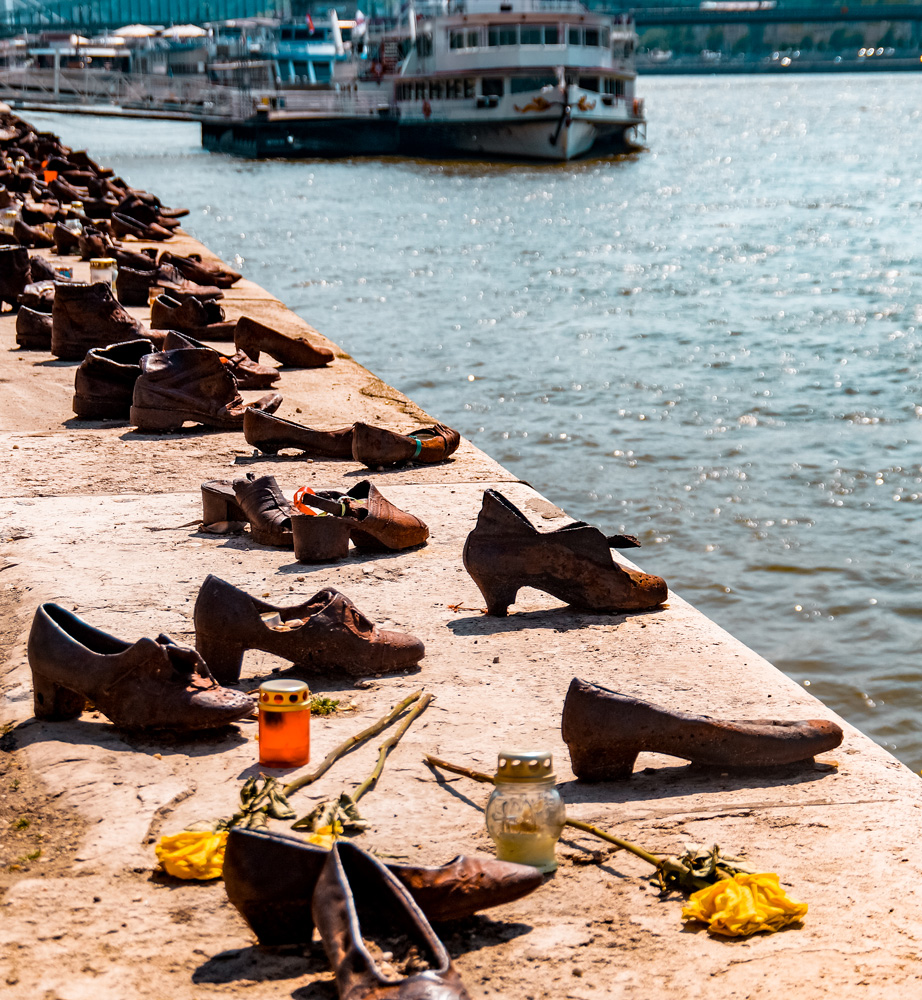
x=358 y=903
x=267 y=510
x=66 y=241
x=374 y=446
x=202 y=319
x=248 y=374
x=269 y=433
x=505 y=552
x=149 y=684
x=270 y=879
x=605 y=731
x=211 y=272
x=332 y=635
x=15 y=274
x=88 y=315
x=31 y=236
x=123 y=226
x=104 y=382
x=293 y=350
x=133 y=285
x=33 y=329
x=374 y=522
x=189 y=384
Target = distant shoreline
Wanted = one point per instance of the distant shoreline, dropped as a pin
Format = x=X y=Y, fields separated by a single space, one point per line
x=696 y=66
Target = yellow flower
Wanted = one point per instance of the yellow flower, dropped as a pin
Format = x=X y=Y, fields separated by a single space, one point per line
x=325 y=836
x=743 y=905
x=193 y=854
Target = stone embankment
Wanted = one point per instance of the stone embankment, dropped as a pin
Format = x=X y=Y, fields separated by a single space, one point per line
x=103 y=520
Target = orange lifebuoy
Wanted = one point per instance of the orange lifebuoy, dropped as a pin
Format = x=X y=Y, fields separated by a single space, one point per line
x=637 y=106
x=427 y=109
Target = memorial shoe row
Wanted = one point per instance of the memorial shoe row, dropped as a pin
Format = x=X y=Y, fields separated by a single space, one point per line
x=159 y=685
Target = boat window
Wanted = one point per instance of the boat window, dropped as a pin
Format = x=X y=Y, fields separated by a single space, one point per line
x=456 y=39
x=424 y=45
x=492 y=86
x=619 y=88
x=435 y=90
x=473 y=39
x=575 y=36
x=551 y=34
x=452 y=89
x=470 y=87
x=592 y=36
x=589 y=83
x=522 y=84
x=420 y=88
x=502 y=34
x=531 y=34
x=322 y=72
x=604 y=38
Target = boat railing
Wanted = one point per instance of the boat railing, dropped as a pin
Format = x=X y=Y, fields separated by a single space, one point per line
x=292 y=103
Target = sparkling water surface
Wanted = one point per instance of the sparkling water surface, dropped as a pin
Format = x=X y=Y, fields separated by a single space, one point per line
x=714 y=344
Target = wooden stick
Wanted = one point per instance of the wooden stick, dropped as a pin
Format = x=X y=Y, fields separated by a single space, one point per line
x=351 y=744
x=669 y=864
x=389 y=745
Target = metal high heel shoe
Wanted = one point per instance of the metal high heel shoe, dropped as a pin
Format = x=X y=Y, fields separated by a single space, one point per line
x=505 y=552
x=605 y=731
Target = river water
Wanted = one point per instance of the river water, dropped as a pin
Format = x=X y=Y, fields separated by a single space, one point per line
x=715 y=344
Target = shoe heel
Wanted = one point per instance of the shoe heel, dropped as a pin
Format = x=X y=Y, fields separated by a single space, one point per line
x=601 y=763
x=54 y=702
x=218 y=507
x=151 y=421
x=224 y=659
x=499 y=593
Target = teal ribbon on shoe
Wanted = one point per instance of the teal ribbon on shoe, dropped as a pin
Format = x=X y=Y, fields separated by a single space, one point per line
x=419 y=447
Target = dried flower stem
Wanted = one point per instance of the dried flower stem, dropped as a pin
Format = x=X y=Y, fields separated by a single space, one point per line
x=389 y=744
x=351 y=744
x=663 y=864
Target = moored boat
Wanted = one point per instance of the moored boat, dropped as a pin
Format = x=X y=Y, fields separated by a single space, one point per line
x=535 y=79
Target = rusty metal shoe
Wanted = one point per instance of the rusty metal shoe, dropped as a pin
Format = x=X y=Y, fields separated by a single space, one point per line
x=31 y=236
x=374 y=446
x=332 y=636
x=293 y=350
x=269 y=433
x=104 y=382
x=88 y=315
x=248 y=374
x=505 y=552
x=357 y=903
x=605 y=731
x=149 y=684
x=211 y=272
x=270 y=878
x=374 y=522
x=15 y=274
x=267 y=510
x=133 y=285
x=33 y=329
x=189 y=384
x=203 y=319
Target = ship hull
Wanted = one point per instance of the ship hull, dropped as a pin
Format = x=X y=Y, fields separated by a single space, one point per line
x=548 y=139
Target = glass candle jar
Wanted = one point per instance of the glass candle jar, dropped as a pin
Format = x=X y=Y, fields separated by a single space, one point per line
x=8 y=217
x=525 y=813
x=103 y=269
x=284 y=723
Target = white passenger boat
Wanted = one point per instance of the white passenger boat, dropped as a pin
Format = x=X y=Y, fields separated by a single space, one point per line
x=544 y=79
x=536 y=79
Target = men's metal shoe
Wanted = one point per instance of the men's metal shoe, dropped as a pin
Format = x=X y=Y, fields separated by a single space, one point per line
x=15 y=274
x=87 y=316
x=199 y=318
x=104 y=382
x=326 y=634
x=374 y=446
x=189 y=384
